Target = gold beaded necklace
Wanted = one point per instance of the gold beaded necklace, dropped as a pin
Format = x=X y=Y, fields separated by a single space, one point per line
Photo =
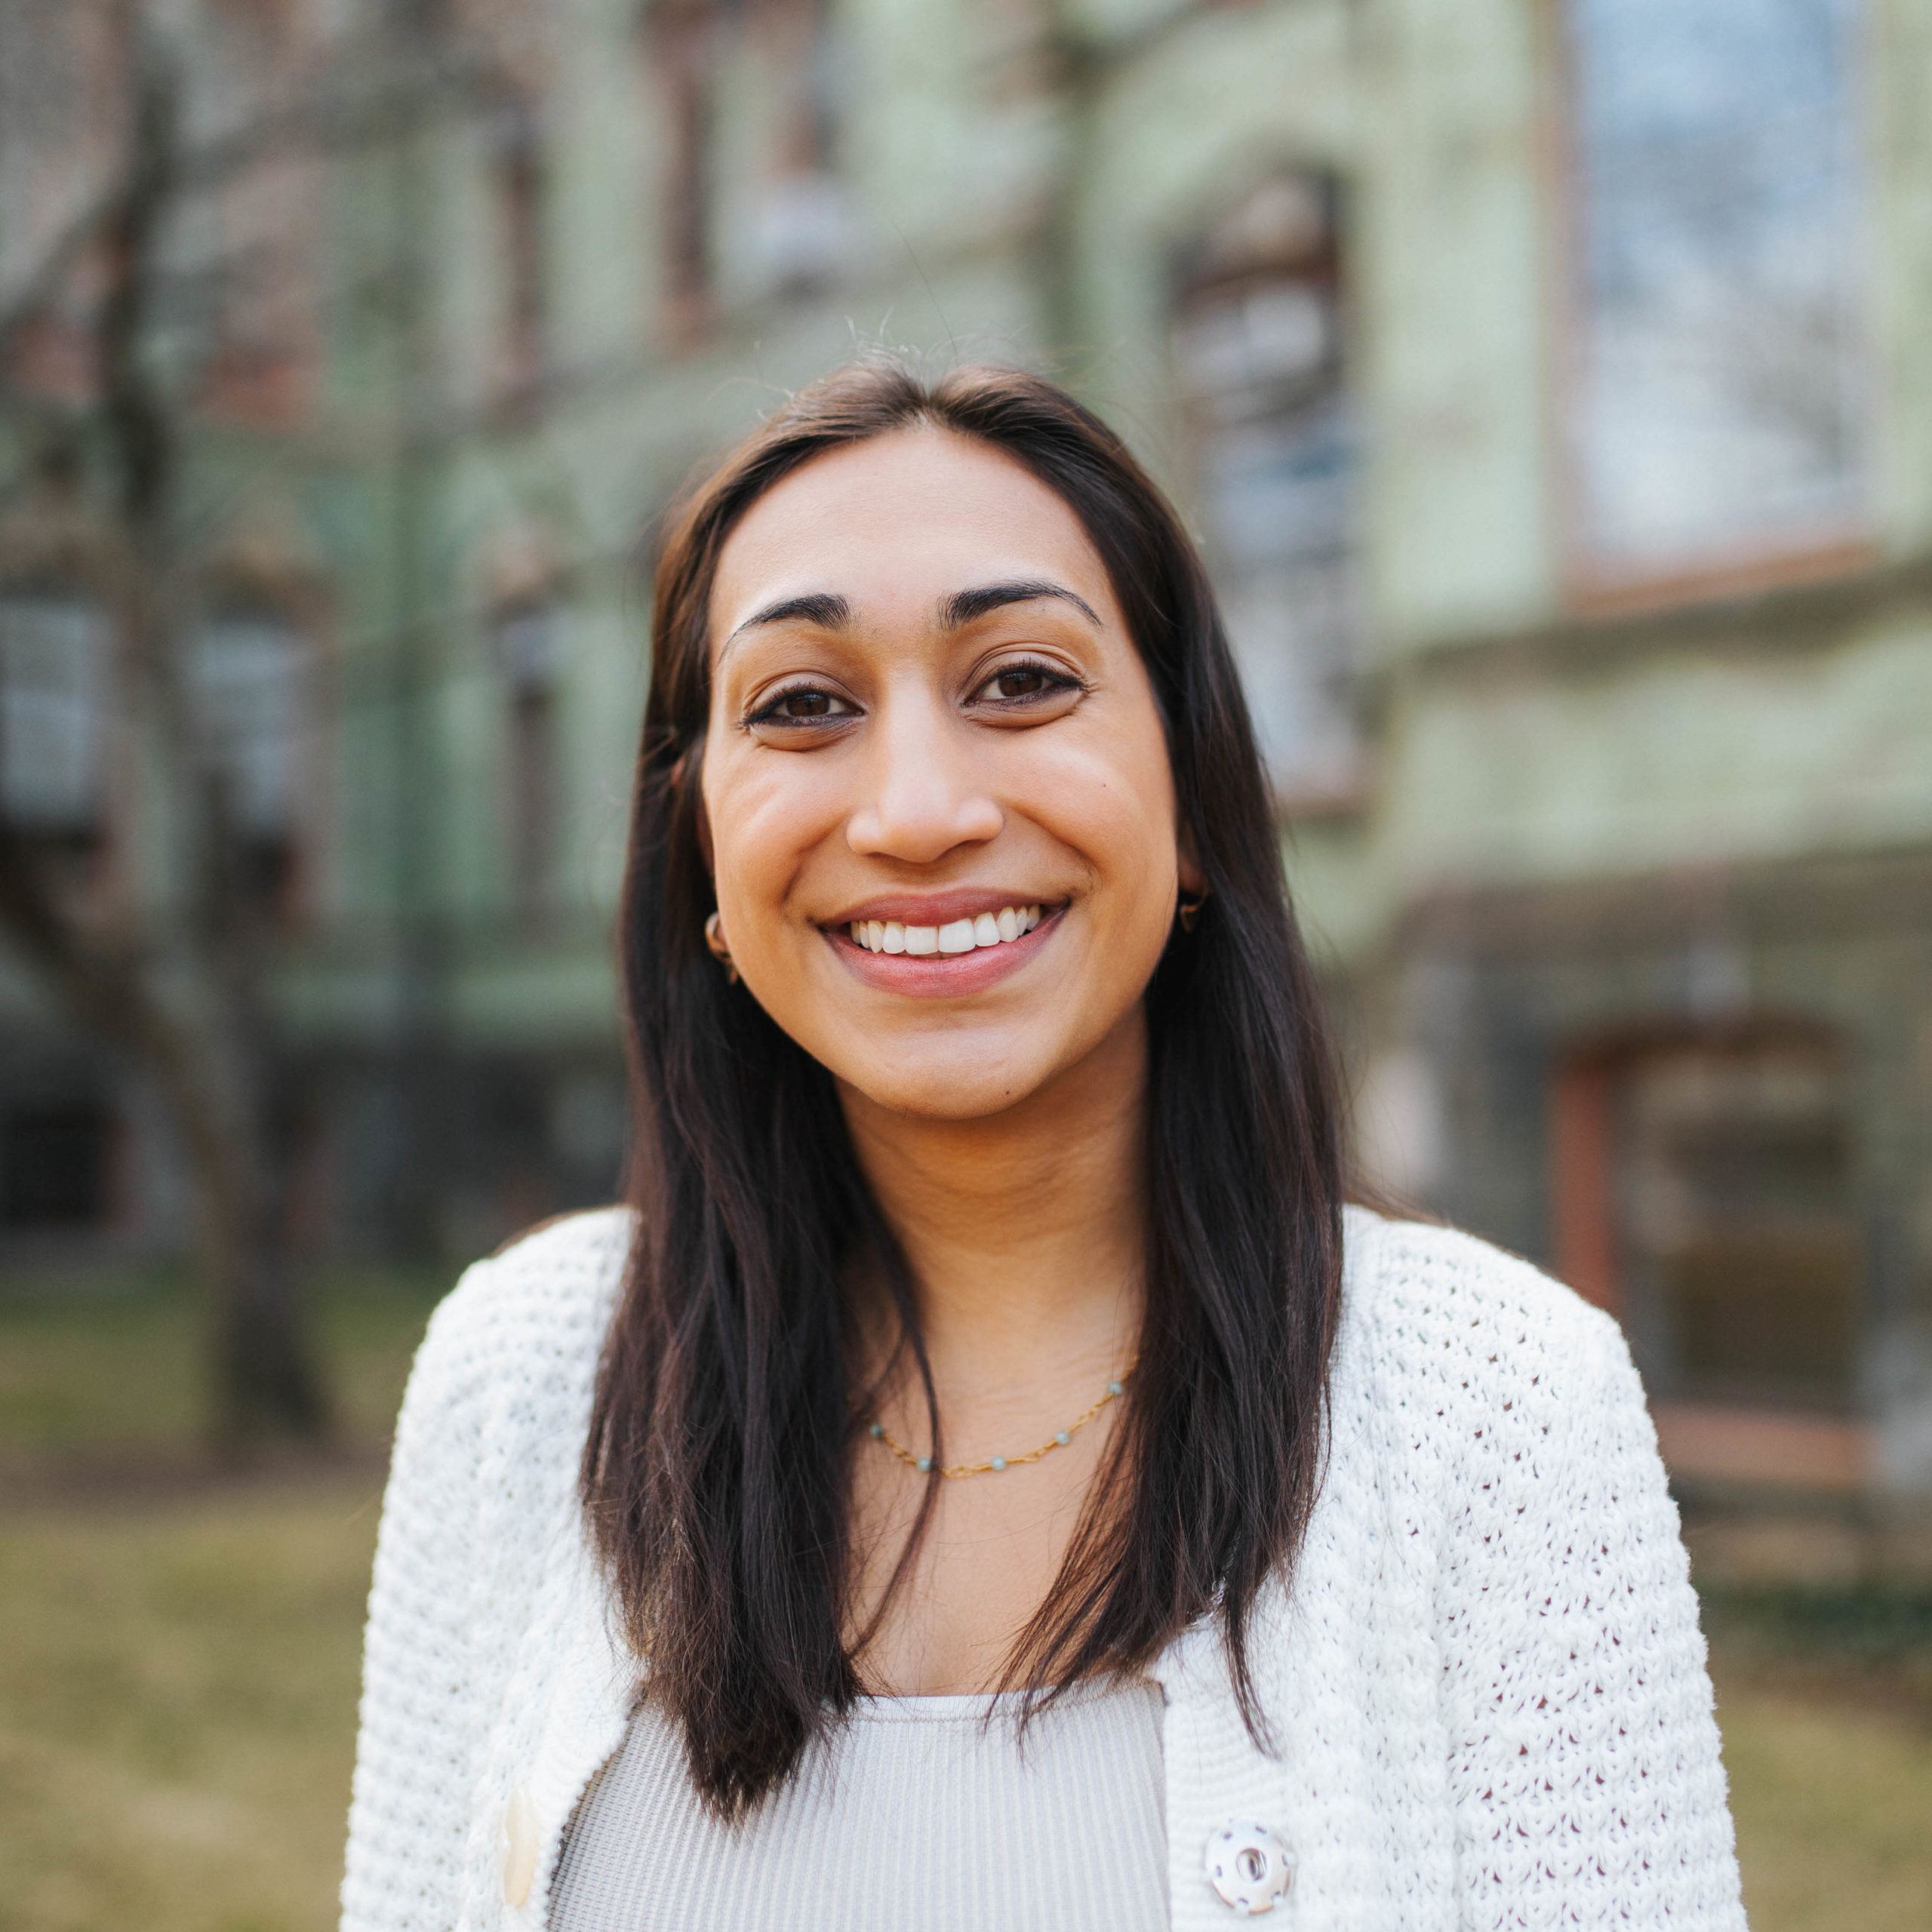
x=994 y=1465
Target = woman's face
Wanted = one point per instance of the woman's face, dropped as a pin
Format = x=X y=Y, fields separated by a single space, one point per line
x=930 y=728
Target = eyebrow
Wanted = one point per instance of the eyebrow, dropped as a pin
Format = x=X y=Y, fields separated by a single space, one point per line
x=830 y=612
x=819 y=607
x=963 y=606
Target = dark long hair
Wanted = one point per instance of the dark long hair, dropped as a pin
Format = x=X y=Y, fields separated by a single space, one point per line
x=716 y=1476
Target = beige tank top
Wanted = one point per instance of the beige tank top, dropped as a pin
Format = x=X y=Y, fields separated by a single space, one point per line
x=916 y=1814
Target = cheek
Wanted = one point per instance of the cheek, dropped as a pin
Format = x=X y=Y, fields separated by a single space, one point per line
x=1117 y=812
x=765 y=816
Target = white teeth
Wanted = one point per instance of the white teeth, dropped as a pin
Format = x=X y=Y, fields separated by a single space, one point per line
x=999 y=928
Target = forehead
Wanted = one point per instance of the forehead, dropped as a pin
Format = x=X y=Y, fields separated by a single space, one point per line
x=903 y=519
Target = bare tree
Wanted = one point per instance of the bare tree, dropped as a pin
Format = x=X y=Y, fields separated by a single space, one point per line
x=179 y=984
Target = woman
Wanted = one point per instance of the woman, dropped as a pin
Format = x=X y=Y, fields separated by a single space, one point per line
x=987 y=1479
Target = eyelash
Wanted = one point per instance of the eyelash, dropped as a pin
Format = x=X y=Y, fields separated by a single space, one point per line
x=767 y=713
x=1053 y=675
x=1055 y=678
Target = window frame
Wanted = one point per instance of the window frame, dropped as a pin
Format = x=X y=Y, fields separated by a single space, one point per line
x=290 y=905
x=1330 y=267
x=1589 y=584
x=1760 y=1443
x=532 y=785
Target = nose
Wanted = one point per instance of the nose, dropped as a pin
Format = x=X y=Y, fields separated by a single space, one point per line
x=924 y=792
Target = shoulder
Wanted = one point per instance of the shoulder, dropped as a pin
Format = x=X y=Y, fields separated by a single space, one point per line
x=1421 y=1280
x=1468 y=1341
x=535 y=1311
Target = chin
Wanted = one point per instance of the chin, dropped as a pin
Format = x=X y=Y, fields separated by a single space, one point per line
x=940 y=1088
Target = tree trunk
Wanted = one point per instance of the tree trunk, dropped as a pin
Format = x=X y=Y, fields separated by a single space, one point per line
x=265 y=1383
x=207 y=1042
x=215 y=1086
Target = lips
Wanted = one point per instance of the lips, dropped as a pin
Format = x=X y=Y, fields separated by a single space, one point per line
x=947 y=946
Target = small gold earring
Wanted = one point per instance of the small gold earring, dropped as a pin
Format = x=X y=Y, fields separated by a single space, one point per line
x=714 y=937
x=1188 y=910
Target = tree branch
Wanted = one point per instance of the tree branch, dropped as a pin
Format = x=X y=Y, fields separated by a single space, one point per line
x=335 y=120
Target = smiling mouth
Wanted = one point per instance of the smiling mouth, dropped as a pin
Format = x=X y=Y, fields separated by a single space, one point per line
x=958 y=936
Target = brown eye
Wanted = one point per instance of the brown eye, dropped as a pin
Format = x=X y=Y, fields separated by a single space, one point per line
x=1016 y=686
x=804 y=704
x=1023 y=680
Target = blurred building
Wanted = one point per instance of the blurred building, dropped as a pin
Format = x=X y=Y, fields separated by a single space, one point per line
x=1548 y=381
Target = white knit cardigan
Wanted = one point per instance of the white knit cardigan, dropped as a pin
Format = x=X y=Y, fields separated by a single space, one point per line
x=1486 y=1677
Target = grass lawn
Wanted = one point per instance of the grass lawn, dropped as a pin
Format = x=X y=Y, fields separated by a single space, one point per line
x=107 y=1374
x=177 y=1684
x=1834 y=1810
x=177 y=1695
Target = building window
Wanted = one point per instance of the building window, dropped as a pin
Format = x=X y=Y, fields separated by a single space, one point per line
x=54 y=1168
x=1703 y=1196
x=249 y=245
x=783 y=224
x=260 y=359
x=800 y=230
x=1261 y=364
x=1718 y=418
x=250 y=688
x=517 y=182
x=54 y=696
x=62 y=93
x=682 y=37
x=529 y=650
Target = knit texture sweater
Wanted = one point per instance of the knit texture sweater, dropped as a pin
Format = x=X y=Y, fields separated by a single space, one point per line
x=1484 y=1673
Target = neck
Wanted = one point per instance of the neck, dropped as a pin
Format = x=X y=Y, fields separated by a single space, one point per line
x=1025 y=1231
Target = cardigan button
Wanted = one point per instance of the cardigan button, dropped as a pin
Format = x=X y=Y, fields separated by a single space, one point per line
x=1249 y=1867
x=519 y=1847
